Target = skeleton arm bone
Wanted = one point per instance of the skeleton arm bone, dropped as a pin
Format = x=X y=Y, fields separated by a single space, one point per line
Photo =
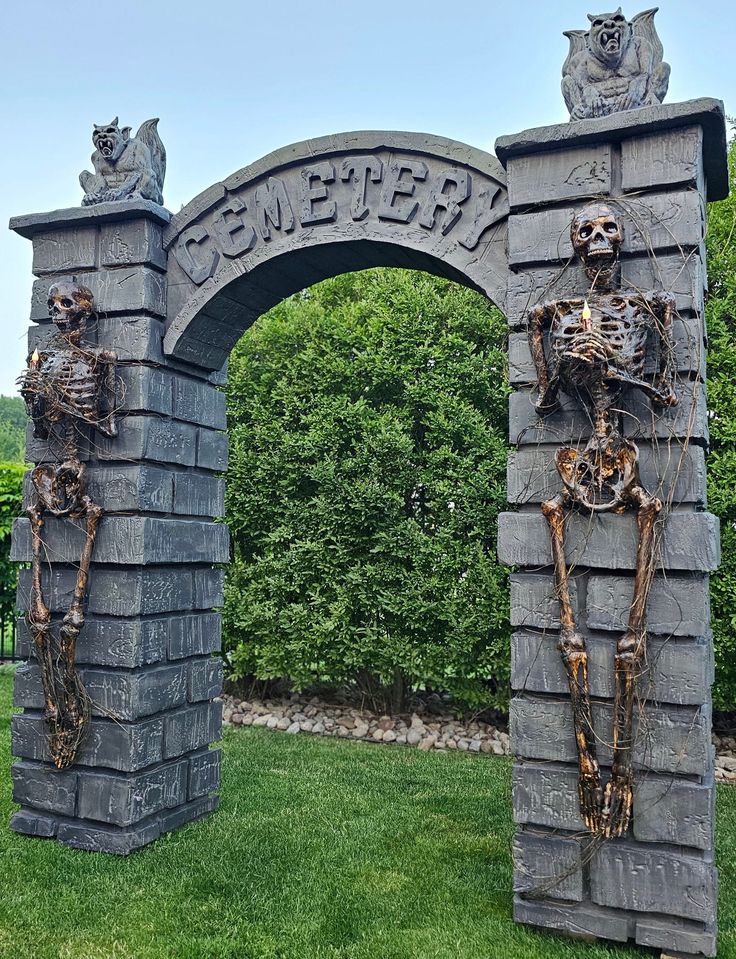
x=539 y=319
x=662 y=306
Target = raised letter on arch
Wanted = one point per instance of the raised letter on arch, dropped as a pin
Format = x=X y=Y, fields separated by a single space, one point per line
x=457 y=182
x=273 y=206
x=359 y=169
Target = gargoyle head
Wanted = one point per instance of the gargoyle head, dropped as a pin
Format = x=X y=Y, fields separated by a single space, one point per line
x=70 y=305
x=597 y=234
x=609 y=36
x=109 y=139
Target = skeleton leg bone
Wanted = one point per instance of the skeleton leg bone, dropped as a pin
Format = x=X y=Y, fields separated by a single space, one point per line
x=575 y=659
x=630 y=653
x=39 y=617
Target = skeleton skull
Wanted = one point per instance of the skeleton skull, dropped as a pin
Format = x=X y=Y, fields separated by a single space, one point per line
x=597 y=235
x=69 y=305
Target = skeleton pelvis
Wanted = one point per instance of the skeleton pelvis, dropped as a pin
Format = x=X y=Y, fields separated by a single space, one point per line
x=600 y=477
x=60 y=488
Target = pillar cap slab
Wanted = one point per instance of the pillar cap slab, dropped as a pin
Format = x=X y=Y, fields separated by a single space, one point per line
x=76 y=216
x=705 y=112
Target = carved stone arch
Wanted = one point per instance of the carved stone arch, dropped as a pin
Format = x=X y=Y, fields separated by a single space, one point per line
x=323 y=207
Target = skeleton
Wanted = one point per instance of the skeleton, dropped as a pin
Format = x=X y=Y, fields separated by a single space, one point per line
x=67 y=384
x=615 y=65
x=597 y=348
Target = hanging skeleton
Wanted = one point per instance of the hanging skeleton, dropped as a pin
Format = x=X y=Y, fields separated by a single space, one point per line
x=597 y=348
x=66 y=386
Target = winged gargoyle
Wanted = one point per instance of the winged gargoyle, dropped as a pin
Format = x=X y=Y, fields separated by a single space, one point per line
x=125 y=168
x=615 y=65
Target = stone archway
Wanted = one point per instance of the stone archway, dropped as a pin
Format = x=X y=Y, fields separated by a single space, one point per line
x=323 y=207
x=174 y=295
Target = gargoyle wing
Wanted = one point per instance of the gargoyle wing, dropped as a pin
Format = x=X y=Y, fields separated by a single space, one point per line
x=578 y=44
x=642 y=25
x=148 y=134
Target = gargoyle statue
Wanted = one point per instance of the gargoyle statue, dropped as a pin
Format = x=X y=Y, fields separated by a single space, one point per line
x=67 y=384
x=615 y=65
x=125 y=168
x=597 y=348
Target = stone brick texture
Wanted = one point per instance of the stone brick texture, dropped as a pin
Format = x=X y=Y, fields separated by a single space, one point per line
x=146 y=651
x=657 y=885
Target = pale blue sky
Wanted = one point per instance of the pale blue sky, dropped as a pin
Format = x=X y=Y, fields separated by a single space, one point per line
x=232 y=81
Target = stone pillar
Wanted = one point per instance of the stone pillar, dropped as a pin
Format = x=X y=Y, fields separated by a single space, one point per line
x=657 y=885
x=145 y=652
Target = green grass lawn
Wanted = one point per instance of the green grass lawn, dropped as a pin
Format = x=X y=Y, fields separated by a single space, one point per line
x=321 y=848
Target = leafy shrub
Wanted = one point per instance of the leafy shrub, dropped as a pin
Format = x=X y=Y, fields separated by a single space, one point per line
x=11 y=500
x=368 y=455
x=721 y=325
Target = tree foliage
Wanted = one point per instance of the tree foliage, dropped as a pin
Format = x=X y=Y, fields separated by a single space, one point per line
x=12 y=429
x=368 y=454
x=11 y=500
x=721 y=325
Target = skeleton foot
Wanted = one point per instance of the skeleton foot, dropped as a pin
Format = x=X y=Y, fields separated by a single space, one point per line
x=617 y=805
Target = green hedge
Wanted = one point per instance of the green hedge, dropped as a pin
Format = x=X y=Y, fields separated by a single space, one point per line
x=721 y=324
x=368 y=425
x=11 y=501
x=368 y=459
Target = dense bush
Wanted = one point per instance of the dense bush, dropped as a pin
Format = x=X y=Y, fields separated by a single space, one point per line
x=11 y=499
x=12 y=429
x=367 y=429
x=721 y=322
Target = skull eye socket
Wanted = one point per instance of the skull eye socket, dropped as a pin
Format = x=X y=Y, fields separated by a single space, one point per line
x=67 y=303
x=585 y=231
x=50 y=303
x=610 y=227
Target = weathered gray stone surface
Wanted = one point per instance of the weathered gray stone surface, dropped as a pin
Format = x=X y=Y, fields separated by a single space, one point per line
x=681 y=273
x=116 y=745
x=126 y=488
x=123 y=800
x=198 y=495
x=688 y=421
x=633 y=876
x=690 y=541
x=113 y=641
x=132 y=243
x=129 y=540
x=678 y=605
x=134 y=290
x=663 y=159
x=191 y=728
x=676 y=936
x=704 y=112
x=674 y=811
x=212 y=450
x=195 y=635
x=41 y=787
x=559 y=175
x=151 y=438
x=65 y=251
x=577 y=919
x=666 y=809
x=548 y=865
x=205 y=679
x=676 y=671
x=130 y=592
x=671 y=472
x=664 y=221
x=675 y=739
x=204 y=773
x=121 y=694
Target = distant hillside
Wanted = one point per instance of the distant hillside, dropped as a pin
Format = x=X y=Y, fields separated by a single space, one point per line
x=12 y=429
